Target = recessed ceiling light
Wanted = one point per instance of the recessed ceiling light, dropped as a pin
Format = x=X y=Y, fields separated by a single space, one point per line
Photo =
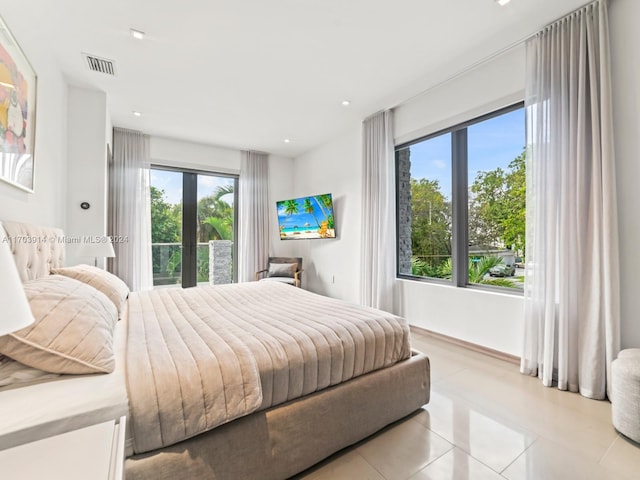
x=287 y=140
x=136 y=113
x=346 y=103
x=136 y=33
x=502 y=3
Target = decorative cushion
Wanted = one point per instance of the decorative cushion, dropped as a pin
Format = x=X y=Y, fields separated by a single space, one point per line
x=114 y=288
x=282 y=269
x=73 y=328
x=288 y=280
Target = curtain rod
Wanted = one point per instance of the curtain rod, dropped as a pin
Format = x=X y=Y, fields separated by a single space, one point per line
x=493 y=56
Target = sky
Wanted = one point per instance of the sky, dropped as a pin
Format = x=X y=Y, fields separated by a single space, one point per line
x=171 y=183
x=492 y=143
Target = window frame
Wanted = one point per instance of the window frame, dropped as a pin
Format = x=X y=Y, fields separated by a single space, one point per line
x=190 y=220
x=459 y=203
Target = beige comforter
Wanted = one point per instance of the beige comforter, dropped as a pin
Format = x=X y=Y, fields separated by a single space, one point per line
x=200 y=357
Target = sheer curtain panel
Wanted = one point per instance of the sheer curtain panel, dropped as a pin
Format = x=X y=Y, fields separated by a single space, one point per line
x=378 y=203
x=572 y=307
x=130 y=209
x=253 y=246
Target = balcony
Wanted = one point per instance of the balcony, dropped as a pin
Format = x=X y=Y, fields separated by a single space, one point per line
x=214 y=263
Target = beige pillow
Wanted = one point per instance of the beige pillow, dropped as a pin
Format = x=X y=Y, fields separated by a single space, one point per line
x=100 y=279
x=282 y=269
x=73 y=328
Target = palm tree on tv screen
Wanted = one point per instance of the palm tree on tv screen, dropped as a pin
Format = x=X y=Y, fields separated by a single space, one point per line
x=308 y=207
x=291 y=207
x=325 y=202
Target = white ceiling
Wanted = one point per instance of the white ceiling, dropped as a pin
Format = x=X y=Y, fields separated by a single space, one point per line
x=250 y=73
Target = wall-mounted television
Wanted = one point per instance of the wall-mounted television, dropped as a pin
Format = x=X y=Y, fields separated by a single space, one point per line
x=306 y=217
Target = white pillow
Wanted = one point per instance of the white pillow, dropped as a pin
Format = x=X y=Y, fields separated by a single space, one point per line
x=115 y=289
x=73 y=329
x=282 y=269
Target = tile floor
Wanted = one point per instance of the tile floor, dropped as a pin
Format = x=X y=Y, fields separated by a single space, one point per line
x=486 y=421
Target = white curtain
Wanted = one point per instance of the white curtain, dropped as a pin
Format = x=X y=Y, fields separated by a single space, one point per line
x=130 y=209
x=378 y=205
x=572 y=286
x=253 y=242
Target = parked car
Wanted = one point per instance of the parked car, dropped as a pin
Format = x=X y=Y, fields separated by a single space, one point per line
x=502 y=270
x=519 y=263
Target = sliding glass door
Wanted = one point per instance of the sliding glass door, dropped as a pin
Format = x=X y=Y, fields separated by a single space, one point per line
x=193 y=227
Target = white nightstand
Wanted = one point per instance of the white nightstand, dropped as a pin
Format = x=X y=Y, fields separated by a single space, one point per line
x=95 y=452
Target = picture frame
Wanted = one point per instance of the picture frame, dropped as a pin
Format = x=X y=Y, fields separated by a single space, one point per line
x=18 y=86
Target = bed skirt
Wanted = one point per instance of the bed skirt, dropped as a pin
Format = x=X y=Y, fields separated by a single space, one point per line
x=277 y=443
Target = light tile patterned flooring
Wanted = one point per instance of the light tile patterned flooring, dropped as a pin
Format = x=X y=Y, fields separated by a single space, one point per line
x=486 y=421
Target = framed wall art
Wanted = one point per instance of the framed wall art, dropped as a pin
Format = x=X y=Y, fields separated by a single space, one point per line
x=17 y=113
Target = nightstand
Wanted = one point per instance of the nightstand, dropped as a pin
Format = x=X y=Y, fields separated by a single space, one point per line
x=95 y=452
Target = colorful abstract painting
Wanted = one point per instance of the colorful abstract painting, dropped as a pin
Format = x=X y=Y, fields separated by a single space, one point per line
x=17 y=113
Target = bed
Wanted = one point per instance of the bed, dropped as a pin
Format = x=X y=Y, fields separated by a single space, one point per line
x=302 y=377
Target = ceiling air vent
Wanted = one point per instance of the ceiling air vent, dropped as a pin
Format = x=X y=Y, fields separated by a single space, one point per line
x=100 y=65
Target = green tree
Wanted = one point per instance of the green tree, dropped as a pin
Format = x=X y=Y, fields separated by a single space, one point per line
x=290 y=207
x=165 y=218
x=497 y=207
x=326 y=205
x=166 y=227
x=430 y=222
x=515 y=223
x=308 y=207
x=214 y=206
x=215 y=222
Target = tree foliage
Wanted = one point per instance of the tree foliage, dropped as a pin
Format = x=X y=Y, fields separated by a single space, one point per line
x=215 y=216
x=166 y=220
x=215 y=222
x=497 y=207
x=497 y=218
x=430 y=222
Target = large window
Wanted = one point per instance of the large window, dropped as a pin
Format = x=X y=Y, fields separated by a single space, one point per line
x=461 y=203
x=193 y=227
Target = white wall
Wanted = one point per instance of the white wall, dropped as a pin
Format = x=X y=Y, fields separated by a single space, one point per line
x=281 y=186
x=46 y=206
x=462 y=313
x=178 y=153
x=465 y=313
x=86 y=168
x=332 y=266
x=625 y=37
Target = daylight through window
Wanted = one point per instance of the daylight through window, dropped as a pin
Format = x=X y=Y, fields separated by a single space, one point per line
x=461 y=203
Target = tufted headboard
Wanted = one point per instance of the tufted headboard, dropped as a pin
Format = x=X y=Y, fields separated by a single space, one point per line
x=36 y=250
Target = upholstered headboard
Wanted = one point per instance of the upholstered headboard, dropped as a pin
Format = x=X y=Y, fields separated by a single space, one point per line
x=36 y=249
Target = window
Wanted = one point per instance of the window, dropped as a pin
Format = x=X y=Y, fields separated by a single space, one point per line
x=189 y=210
x=461 y=203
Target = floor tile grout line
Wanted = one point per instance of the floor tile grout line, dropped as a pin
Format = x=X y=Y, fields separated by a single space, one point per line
x=608 y=448
x=516 y=459
x=453 y=447
x=370 y=464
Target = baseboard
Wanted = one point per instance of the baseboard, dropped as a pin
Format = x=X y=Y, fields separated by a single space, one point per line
x=468 y=345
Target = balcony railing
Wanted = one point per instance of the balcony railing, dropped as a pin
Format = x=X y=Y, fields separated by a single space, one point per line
x=167 y=262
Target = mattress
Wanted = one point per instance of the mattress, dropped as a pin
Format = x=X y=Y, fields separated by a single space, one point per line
x=200 y=357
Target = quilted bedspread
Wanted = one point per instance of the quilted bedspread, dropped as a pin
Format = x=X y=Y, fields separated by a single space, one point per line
x=201 y=357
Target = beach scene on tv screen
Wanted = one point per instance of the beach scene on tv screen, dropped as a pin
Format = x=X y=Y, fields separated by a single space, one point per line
x=306 y=218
